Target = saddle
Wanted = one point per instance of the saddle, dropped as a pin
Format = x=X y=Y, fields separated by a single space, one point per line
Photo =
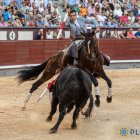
x=74 y=48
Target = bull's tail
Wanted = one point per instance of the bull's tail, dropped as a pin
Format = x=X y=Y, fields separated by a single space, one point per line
x=90 y=106
x=87 y=113
x=80 y=78
x=31 y=73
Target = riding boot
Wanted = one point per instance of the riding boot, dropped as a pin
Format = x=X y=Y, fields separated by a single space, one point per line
x=63 y=63
x=106 y=59
x=92 y=77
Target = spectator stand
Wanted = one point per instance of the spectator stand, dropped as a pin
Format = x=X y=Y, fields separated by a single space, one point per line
x=106 y=33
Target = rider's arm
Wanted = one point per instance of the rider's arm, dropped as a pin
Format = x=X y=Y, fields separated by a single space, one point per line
x=92 y=21
x=89 y=21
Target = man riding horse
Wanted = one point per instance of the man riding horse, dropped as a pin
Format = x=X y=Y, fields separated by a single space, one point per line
x=92 y=65
x=76 y=26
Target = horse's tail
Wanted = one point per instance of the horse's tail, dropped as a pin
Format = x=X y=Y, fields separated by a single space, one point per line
x=31 y=73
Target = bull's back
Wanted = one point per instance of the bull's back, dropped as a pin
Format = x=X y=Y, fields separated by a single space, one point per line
x=73 y=81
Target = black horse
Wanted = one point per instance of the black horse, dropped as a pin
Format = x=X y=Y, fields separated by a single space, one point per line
x=72 y=87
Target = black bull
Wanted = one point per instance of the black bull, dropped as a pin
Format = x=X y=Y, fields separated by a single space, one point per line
x=73 y=87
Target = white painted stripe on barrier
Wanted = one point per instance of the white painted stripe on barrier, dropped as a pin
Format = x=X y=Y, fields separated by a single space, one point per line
x=29 y=65
x=125 y=61
x=17 y=66
x=25 y=35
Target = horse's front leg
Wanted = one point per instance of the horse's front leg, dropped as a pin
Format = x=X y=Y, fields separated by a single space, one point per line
x=103 y=75
x=95 y=82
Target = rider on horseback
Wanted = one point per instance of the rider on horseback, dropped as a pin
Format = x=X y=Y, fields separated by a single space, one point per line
x=76 y=26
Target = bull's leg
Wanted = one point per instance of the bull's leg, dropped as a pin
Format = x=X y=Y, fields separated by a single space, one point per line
x=75 y=116
x=54 y=104
x=103 y=75
x=62 y=111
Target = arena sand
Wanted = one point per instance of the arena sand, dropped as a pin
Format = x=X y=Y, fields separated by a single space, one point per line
x=105 y=124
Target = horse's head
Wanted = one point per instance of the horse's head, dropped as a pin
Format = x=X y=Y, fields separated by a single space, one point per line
x=90 y=42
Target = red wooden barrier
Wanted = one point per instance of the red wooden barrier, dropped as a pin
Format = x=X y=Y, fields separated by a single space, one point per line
x=34 y=52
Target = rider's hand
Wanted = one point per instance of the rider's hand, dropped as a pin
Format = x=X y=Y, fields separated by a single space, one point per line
x=68 y=10
x=97 y=29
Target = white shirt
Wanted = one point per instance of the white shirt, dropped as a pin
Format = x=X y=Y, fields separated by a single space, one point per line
x=118 y=12
x=101 y=18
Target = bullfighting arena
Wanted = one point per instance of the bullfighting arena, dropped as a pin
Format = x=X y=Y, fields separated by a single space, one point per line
x=104 y=124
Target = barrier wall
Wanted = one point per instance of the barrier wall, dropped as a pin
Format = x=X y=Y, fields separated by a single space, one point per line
x=34 y=52
x=13 y=34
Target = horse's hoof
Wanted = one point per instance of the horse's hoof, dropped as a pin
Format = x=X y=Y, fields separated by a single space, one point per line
x=73 y=126
x=97 y=103
x=109 y=100
x=52 y=131
x=49 y=119
x=23 y=108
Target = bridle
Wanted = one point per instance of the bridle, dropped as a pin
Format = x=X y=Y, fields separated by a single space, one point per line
x=92 y=47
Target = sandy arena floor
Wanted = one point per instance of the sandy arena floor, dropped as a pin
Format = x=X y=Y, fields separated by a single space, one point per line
x=105 y=123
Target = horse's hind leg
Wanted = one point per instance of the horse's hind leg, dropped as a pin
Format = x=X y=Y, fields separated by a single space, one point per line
x=62 y=111
x=33 y=88
x=49 y=72
x=46 y=76
x=103 y=75
x=54 y=104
